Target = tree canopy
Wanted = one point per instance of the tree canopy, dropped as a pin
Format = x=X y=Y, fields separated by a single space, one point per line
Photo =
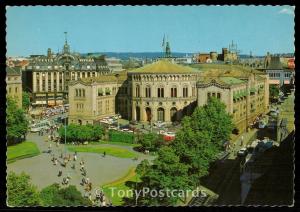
x=81 y=133
x=20 y=192
x=182 y=164
x=151 y=141
x=25 y=100
x=274 y=91
x=16 y=122
x=53 y=195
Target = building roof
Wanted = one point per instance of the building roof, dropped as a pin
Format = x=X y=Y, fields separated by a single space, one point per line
x=120 y=77
x=229 y=81
x=164 y=67
x=13 y=71
x=275 y=63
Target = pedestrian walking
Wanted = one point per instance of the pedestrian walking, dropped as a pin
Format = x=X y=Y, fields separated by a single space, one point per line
x=75 y=157
x=59 y=173
x=104 y=153
x=87 y=180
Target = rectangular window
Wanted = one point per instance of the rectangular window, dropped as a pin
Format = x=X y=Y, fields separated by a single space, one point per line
x=16 y=89
x=9 y=90
x=219 y=95
x=208 y=95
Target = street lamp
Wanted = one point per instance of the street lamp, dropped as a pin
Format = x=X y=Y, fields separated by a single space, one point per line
x=65 y=136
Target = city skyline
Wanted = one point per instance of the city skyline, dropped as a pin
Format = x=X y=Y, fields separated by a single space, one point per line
x=123 y=29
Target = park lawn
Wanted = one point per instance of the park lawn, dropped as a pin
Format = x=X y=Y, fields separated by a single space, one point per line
x=22 y=150
x=113 y=151
x=120 y=185
x=119 y=143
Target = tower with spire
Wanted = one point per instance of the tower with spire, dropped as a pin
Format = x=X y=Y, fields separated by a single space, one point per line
x=66 y=49
x=166 y=48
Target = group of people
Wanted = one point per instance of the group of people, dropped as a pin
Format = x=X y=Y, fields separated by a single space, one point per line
x=68 y=158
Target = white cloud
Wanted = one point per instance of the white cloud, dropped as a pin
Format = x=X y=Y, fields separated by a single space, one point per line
x=288 y=11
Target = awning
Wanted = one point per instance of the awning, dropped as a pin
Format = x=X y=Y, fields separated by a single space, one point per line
x=40 y=102
x=274 y=82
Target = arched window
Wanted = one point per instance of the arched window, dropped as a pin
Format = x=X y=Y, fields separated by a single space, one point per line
x=160 y=114
x=148 y=92
x=173 y=114
x=160 y=92
x=137 y=91
x=185 y=92
x=174 y=92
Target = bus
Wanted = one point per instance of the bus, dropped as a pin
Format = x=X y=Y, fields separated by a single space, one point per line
x=42 y=125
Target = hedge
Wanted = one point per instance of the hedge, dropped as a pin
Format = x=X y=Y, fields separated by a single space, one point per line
x=116 y=136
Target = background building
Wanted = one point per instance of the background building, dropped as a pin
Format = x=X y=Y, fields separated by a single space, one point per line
x=14 y=84
x=245 y=92
x=93 y=98
x=278 y=74
x=47 y=76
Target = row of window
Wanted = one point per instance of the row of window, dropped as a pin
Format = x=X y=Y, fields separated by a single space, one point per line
x=80 y=92
x=213 y=94
x=161 y=92
x=12 y=78
x=10 y=90
x=108 y=107
x=274 y=75
x=80 y=107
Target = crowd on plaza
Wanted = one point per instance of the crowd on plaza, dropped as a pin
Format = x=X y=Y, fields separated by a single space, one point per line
x=66 y=159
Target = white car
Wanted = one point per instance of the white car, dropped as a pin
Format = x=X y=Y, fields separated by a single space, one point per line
x=159 y=124
x=127 y=130
x=242 y=152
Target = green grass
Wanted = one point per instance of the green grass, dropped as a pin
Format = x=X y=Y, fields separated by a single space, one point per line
x=113 y=151
x=119 y=143
x=23 y=150
x=120 y=185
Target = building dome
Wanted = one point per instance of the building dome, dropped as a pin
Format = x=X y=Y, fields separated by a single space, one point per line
x=163 y=67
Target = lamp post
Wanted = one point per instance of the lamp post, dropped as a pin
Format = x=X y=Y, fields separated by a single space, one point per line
x=65 y=136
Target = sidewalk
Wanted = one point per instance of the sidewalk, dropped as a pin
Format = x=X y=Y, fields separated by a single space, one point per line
x=236 y=143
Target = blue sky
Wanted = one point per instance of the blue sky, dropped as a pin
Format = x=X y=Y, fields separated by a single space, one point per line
x=31 y=30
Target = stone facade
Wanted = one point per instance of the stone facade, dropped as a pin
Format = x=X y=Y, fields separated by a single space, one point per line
x=164 y=91
x=47 y=76
x=93 y=98
x=14 y=84
x=245 y=97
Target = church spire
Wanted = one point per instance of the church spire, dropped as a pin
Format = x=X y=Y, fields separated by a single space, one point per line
x=66 y=38
x=66 y=46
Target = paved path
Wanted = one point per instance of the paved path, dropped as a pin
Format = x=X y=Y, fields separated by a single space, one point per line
x=100 y=170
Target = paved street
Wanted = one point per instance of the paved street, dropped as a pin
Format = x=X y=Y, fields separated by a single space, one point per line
x=100 y=170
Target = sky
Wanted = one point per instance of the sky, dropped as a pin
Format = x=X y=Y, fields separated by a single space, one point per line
x=192 y=29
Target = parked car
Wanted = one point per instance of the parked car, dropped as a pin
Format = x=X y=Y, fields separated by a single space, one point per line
x=159 y=124
x=242 y=152
x=133 y=122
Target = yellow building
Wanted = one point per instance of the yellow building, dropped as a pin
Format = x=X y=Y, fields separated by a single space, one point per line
x=245 y=92
x=91 y=99
x=165 y=91
x=162 y=91
x=14 y=84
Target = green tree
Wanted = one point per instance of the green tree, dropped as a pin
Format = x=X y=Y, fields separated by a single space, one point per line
x=16 y=123
x=81 y=133
x=25 y=100
x=151 y=141
x=274 y=91
x=166 y=173
x=20 y=192
x=53 y=195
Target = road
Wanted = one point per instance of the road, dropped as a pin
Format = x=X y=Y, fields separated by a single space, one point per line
x=100 y=170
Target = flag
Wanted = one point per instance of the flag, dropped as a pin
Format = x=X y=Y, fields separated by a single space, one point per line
x=163 y=43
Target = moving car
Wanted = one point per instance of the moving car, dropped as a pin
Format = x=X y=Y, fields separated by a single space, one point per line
x=242 y=152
